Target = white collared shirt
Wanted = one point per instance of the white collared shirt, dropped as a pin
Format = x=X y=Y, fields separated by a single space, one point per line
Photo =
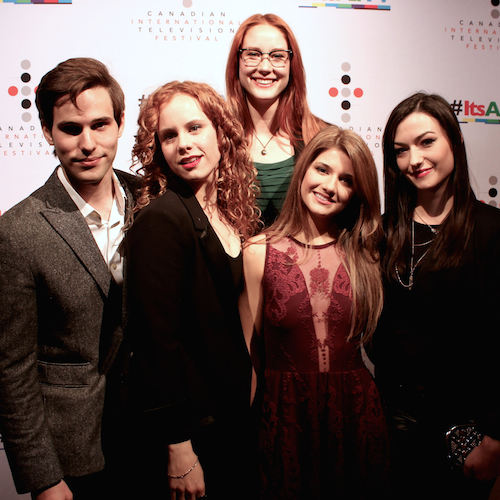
x=107 y=234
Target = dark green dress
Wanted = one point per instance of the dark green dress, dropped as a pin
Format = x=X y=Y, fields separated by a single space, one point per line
x=274 y=179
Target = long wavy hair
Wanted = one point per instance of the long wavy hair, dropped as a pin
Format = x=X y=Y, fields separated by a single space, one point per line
x=293 y=116
x=358 y=227
x=401 y=194
x=236 y=185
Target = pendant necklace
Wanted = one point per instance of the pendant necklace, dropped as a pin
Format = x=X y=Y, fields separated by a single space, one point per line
x=432 y=229
x=412 y=267
x=264 y=150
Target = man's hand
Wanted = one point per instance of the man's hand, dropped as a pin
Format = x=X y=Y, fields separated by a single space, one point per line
x=58 y=492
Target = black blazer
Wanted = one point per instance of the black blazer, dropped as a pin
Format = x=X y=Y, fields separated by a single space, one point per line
x=190 y=364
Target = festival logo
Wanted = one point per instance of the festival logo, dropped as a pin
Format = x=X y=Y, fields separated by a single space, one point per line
x=486 y=113
x=350 y=4
x=22 y=136
x=468 y=111
x=492 y=191
x=183 y=25
x=345 y=94
x=37 y=2
x=479 y=33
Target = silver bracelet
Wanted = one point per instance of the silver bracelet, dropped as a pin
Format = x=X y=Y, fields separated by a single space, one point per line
x=182 y=476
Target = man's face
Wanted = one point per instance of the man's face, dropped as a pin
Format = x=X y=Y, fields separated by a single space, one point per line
x=85 y=137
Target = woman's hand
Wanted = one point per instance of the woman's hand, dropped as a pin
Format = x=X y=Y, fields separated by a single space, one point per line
x=483 y=462
x=181 y=459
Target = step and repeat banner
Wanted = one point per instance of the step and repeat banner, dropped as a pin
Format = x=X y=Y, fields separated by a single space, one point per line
x=362 y=57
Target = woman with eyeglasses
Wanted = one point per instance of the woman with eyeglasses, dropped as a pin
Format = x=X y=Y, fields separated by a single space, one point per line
x=266 y=87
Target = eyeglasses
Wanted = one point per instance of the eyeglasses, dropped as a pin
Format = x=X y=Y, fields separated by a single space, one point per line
x=278 y=58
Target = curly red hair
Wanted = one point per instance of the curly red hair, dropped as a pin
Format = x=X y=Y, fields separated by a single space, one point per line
x=236 y=184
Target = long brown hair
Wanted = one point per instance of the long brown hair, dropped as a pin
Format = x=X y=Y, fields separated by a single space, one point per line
x=401 y=194
x=358 y=227
x=236 y=186
x=293 y=115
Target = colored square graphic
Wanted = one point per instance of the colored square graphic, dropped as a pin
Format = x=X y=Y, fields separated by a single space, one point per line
x=33 y=2
x=337 y=5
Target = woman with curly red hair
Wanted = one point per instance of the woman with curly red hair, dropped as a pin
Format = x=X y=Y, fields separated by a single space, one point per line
x=266 y=88
x=190 y=372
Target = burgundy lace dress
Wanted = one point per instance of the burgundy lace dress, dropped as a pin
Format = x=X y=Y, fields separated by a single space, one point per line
x=323 y=431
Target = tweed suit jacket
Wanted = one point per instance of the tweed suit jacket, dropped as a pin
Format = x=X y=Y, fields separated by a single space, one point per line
x=59 y=331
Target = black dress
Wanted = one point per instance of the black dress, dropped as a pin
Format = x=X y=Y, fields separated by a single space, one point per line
x=436 y=360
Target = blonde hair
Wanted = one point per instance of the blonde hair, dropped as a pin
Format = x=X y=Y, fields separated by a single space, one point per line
x=236 y=185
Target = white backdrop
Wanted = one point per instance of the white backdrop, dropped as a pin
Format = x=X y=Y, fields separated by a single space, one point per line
x=365 y=54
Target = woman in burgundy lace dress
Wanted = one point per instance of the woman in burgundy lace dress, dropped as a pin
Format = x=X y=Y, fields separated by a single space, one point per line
x=313 y=295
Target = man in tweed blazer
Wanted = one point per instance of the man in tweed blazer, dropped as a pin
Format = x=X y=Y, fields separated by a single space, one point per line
x=60 y=290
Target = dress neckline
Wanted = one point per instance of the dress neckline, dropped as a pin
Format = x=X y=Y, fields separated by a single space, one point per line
x=286 y=162
x=313 y=247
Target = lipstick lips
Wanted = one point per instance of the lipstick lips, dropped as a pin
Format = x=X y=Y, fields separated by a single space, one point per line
x=421 y=173
x=264 y=81
x=322 y=198
x=190 y=161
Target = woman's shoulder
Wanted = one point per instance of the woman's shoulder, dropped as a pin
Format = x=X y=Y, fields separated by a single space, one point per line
x=168 y=201
x=486 y=217
x=256 y=245
x=167 y=208
x=486 y=232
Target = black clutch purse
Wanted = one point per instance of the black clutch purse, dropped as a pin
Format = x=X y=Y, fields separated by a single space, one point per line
x=460 y=441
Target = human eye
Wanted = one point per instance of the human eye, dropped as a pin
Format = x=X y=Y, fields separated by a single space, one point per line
x=347 y=180
x=428 y=141
x=321 y=169
x=278 y=55
x=168 y=136
x=400 y=151
x=253 y=53
x=70 y=129
x=99 y=125
x=194 y=128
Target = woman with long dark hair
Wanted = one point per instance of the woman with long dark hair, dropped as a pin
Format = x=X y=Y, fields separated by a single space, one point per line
x=436 y=346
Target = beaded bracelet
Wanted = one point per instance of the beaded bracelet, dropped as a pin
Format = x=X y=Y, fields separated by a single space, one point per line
x=182 y=476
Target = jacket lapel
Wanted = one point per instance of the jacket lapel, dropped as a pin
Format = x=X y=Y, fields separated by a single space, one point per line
x=65 y=218
x=213 y=252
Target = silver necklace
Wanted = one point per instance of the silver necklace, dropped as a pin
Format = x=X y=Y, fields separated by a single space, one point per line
x=412 y=267
x=264 y=150
x=433 y=229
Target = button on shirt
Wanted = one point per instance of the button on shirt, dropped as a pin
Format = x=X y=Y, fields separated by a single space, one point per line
x=107 y=234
